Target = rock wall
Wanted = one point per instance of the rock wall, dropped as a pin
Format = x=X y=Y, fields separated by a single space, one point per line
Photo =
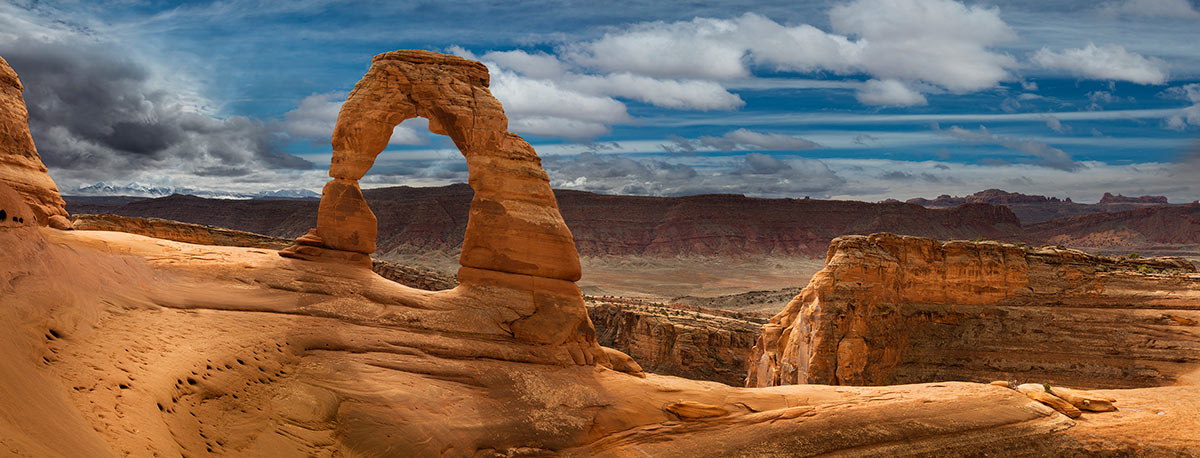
x=890 y=309
x=20 y=165
x=674 y=342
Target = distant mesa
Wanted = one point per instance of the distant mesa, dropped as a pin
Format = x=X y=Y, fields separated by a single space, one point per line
x=1119 y=199
x=1001 y=197
x=988 y=196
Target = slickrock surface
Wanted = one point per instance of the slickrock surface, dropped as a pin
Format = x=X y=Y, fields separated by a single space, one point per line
x=20 y=166
x=180 y=232
x=674 y=342
x=114 y=344
x=207 y=235
x=892 y=309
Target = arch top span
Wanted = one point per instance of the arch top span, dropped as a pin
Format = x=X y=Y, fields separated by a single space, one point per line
x=514 y=225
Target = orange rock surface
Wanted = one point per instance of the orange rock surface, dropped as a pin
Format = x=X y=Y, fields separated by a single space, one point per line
x=514 y=225
x=897 y=309
x=21 y=167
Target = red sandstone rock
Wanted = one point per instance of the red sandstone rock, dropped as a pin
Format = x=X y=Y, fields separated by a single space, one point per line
x=889 y=309
x=514 y=225
x=20 y=165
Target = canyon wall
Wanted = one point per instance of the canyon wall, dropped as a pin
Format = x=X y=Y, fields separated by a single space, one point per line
x=675 y=342
x=435 y=219
x=890 y=309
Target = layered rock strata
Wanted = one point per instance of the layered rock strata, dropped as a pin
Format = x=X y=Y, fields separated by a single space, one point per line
x=21 y=167
x=675 y=342
x=890 y=309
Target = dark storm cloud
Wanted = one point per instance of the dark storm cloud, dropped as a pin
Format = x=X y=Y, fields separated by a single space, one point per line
x=98 y=114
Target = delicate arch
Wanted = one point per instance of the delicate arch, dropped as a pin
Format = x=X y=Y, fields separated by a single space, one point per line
x=514 y=225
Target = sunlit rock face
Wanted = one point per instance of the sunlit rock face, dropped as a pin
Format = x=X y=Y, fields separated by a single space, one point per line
x=514 y=224
x=890 y=309
x=515 y=237
x=21 y=167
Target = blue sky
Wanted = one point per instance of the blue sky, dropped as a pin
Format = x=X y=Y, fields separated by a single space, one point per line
x=862 y=99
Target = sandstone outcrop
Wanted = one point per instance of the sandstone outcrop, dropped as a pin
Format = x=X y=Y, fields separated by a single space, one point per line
x=20 y=165
x=514 y=225
x=674 y=342
x=515 y=238
x=891 y=309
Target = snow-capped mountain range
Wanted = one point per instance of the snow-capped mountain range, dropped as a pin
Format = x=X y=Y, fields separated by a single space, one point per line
x=141 y=190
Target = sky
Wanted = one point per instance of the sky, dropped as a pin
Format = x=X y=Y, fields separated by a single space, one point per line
x=855 y=99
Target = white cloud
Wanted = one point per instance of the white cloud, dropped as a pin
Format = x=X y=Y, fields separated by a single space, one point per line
x=1048 y=156
x=1109 y=62
x=942 y=42
x=1055 y=125
x=1151 y=178
x=939 y=42
x=537 y=65
x=1171 y=9
x=740 y=139
x=889 y=92
x=538 y=106
x=1189 y=116
x=316 y=115
x=754 y=174
x=666 y=93
x=703 y=48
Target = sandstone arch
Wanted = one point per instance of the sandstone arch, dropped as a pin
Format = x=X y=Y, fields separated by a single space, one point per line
x=514 y=224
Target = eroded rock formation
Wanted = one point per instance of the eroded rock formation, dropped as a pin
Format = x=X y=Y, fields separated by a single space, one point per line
x=515 y=237
x=675 y=342
x=20 y=165
x=890 y=309
x=514 y=225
